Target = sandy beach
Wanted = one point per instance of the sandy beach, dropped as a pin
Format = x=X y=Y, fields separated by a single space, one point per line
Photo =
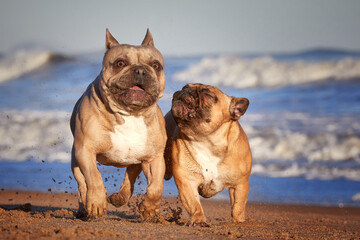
x=31 y=215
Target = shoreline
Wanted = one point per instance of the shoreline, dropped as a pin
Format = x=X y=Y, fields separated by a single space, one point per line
x=52 y=215
x=57 y=176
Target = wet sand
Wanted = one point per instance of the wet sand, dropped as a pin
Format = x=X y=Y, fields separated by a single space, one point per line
x=31 y=215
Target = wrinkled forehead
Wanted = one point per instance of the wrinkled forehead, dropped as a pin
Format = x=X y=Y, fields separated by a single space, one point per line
x=133 y=54
x=203 y=87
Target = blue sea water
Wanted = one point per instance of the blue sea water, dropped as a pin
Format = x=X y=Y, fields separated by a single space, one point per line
x=302 y=123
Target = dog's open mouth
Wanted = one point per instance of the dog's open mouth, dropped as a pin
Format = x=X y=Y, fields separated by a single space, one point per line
x=135 y=93
x=135 y=97
x=117 y=90
x=137 y=88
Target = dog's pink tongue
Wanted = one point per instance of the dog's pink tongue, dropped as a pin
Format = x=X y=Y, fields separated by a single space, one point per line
x=136 y=88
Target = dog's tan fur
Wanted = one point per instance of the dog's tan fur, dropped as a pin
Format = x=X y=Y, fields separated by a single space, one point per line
x=207 y=150
x=117 y=122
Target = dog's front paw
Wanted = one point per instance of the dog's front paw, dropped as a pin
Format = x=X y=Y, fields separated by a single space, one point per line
x=238 y=216
x=117 y=199
x=240 y=219
x=147 y=212
x=95 y=205
x=198 y=224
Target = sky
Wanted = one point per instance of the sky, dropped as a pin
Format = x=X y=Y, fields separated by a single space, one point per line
x=186 y=27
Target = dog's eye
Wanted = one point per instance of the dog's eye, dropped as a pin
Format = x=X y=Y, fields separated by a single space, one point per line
x=120 y=64
x=210 y=95
x=156 y=66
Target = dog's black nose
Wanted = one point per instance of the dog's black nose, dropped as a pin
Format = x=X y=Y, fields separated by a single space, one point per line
x=140 y=71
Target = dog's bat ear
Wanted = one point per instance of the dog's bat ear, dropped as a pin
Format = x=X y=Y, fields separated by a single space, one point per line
x=148 y=40
x=238 y=107
x=110 y=40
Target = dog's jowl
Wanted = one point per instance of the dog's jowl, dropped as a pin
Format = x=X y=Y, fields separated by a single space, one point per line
x=207 y=150
x=117 y=122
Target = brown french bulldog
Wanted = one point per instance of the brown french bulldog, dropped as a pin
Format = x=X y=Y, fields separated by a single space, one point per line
x=117 y=122
x=207 y=150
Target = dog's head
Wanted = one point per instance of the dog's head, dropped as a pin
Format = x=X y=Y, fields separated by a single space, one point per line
x=132 y=77
x=205 y=108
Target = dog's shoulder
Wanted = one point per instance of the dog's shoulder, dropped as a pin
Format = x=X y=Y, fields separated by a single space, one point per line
x=87 y=106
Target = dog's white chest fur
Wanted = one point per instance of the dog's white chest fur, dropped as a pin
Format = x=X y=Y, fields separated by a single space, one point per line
x=128 y=141
x=208 y=162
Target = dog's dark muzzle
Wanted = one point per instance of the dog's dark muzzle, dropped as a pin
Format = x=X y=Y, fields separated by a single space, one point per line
x=187 y=96
x=140 y=75
x=185 y=104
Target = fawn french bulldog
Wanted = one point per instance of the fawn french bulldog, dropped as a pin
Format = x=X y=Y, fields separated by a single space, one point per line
x=117 y=122
x=207 y=150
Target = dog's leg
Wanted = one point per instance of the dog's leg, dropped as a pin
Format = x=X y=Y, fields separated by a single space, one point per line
x=154 y=172
x=96 y=194
x=81 y=186
x=190 y=197
x=232 y=196
x=238 y=198
x=127 y=187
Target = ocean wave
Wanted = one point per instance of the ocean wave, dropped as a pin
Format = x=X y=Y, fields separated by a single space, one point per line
x=285 y=145
x=356 y=197
x=21 y=62
x=327 y=152
x=298 y=136
x=306 y=171
x=233 y=71
x=35 y=135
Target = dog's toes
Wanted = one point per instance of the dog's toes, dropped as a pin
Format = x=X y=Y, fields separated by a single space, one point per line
x=198 y=224
x=238 y=220
x=147 y=216
x=116 y=200
x=95 y=216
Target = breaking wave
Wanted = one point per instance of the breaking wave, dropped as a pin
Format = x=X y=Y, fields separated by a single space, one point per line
x=278 y=152
x=316 y=139
x=314 y=148
x=35 y=135
x=24 y=61
x=306 y=171
x=233 y=71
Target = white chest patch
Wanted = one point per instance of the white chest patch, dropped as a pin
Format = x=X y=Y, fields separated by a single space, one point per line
x=207 y=161
x=128 y=141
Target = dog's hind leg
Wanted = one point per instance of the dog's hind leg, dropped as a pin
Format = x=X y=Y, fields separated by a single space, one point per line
x=127 y=187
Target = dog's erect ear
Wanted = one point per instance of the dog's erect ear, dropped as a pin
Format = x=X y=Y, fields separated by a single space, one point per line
x=148 y=40
x=238 y=107
x=110 y=40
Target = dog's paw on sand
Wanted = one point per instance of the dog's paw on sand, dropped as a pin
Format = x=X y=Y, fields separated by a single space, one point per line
x=117 y=200
x=198 y=224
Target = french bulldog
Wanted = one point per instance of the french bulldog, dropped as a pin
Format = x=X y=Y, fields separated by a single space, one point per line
x=207 y=150
x=117 y=122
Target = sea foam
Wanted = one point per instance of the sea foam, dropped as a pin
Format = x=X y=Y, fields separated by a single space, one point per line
x=315 y=139
x=35 y=135
x=277 y=151
x=238 y=72
x=21 y=62
x=356 y=197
